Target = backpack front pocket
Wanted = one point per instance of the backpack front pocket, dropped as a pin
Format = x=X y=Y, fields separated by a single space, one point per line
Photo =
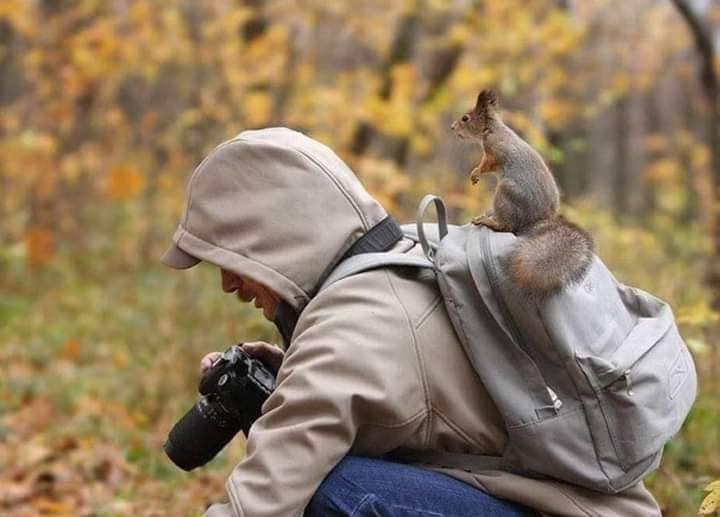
x=638 y=384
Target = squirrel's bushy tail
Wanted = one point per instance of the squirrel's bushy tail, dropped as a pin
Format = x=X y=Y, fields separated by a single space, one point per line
x=549 y=255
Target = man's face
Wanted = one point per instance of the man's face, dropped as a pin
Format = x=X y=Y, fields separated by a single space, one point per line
x=247 y=290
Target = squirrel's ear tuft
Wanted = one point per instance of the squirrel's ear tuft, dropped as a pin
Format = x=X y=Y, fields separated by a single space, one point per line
x=486 y=98
x=492 y=98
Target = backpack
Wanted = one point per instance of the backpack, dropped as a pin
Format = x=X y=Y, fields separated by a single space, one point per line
x=591 y=382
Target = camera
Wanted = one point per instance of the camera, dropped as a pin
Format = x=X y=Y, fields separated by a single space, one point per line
x=233 y=390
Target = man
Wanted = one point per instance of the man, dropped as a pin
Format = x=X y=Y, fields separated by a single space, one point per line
x=372 y=363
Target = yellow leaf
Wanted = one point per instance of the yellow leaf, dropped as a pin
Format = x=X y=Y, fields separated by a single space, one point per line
x=124 y=182
x=557 y=112
x=120 y=359
x=663 y=171
x=714 y=486
x=710 y=504
x=48 y=506
x=700 y=157
x=257 y=106
x=40 y=246
x=404 y=80
x=421 y=144
x=460 y=33
x=620 y=84
x=9 y=7
x=697 y=314
x=70 y=167
x=697 y=346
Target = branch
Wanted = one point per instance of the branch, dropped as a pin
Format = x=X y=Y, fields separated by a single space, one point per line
x=704 y=45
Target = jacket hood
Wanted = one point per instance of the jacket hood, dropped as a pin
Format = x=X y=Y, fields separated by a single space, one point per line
x=276 y=206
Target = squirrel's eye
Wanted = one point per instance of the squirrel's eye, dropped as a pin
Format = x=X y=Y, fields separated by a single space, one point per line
x=465 y=118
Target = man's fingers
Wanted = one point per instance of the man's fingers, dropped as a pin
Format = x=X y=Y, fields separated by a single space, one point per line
x=207 y=361
x=260 y=347
x=269 y=354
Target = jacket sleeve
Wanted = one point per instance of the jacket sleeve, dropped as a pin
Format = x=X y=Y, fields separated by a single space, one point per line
x=334 y=381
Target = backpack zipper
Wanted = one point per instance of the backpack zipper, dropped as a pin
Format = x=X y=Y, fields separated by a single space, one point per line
x=491 y=270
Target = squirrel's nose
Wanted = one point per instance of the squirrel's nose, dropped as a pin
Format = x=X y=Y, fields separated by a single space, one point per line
x=452 y=126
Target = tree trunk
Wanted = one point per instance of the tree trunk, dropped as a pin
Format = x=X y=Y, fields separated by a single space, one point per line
x=621 y=171
x=704 y=45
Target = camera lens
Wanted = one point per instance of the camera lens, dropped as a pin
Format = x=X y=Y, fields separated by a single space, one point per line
x=200 y=434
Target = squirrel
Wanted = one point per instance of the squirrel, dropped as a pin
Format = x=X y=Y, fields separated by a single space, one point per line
x=551 y=251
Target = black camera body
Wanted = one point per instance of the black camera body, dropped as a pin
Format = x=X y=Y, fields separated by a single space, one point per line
x=233 y=391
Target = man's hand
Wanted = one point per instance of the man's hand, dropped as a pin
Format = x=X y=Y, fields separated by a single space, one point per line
x=269 y=354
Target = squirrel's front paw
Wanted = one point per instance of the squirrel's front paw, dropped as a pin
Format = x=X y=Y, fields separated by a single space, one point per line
x=483 y=220
x=475 y=175
x=486 y=220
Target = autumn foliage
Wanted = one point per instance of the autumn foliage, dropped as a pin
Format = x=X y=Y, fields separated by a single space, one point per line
x=106 y=107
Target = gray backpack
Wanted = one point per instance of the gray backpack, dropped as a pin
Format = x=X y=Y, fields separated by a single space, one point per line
x=591 y=382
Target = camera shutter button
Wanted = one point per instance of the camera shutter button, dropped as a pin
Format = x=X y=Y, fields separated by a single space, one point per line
x=223 y=379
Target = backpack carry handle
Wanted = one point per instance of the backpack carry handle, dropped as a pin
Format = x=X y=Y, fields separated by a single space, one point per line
x=441 y=223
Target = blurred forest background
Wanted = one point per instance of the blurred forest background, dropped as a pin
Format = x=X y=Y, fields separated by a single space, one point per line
x=107 y=106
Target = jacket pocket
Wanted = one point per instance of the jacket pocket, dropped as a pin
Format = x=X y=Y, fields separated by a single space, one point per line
x=636 y=387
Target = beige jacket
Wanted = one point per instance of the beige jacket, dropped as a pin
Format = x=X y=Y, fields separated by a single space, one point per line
x=373 y=363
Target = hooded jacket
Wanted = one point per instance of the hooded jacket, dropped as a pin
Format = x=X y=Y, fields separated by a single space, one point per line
x=373 y=363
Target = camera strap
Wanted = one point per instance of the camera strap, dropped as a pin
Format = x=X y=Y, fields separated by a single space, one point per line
x=285 y=319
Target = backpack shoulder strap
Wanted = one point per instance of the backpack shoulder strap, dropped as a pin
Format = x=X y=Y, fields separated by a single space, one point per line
x=368 y=261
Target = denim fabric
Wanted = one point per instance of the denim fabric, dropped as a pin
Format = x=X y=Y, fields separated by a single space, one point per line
x=364 y=487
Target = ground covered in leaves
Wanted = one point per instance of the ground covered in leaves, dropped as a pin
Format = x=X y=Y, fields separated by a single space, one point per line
x=99 y=359
x=95 y=372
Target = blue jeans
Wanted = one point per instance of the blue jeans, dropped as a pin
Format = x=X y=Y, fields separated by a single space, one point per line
x=364 y=487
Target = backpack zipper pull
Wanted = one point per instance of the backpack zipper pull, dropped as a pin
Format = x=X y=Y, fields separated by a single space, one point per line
x=557 y=403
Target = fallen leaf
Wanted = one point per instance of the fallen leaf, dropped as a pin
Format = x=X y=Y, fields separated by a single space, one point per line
x=48 y=506
x=710 y=504
x=34 y=416
x=40 y=246
x=70 y=350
